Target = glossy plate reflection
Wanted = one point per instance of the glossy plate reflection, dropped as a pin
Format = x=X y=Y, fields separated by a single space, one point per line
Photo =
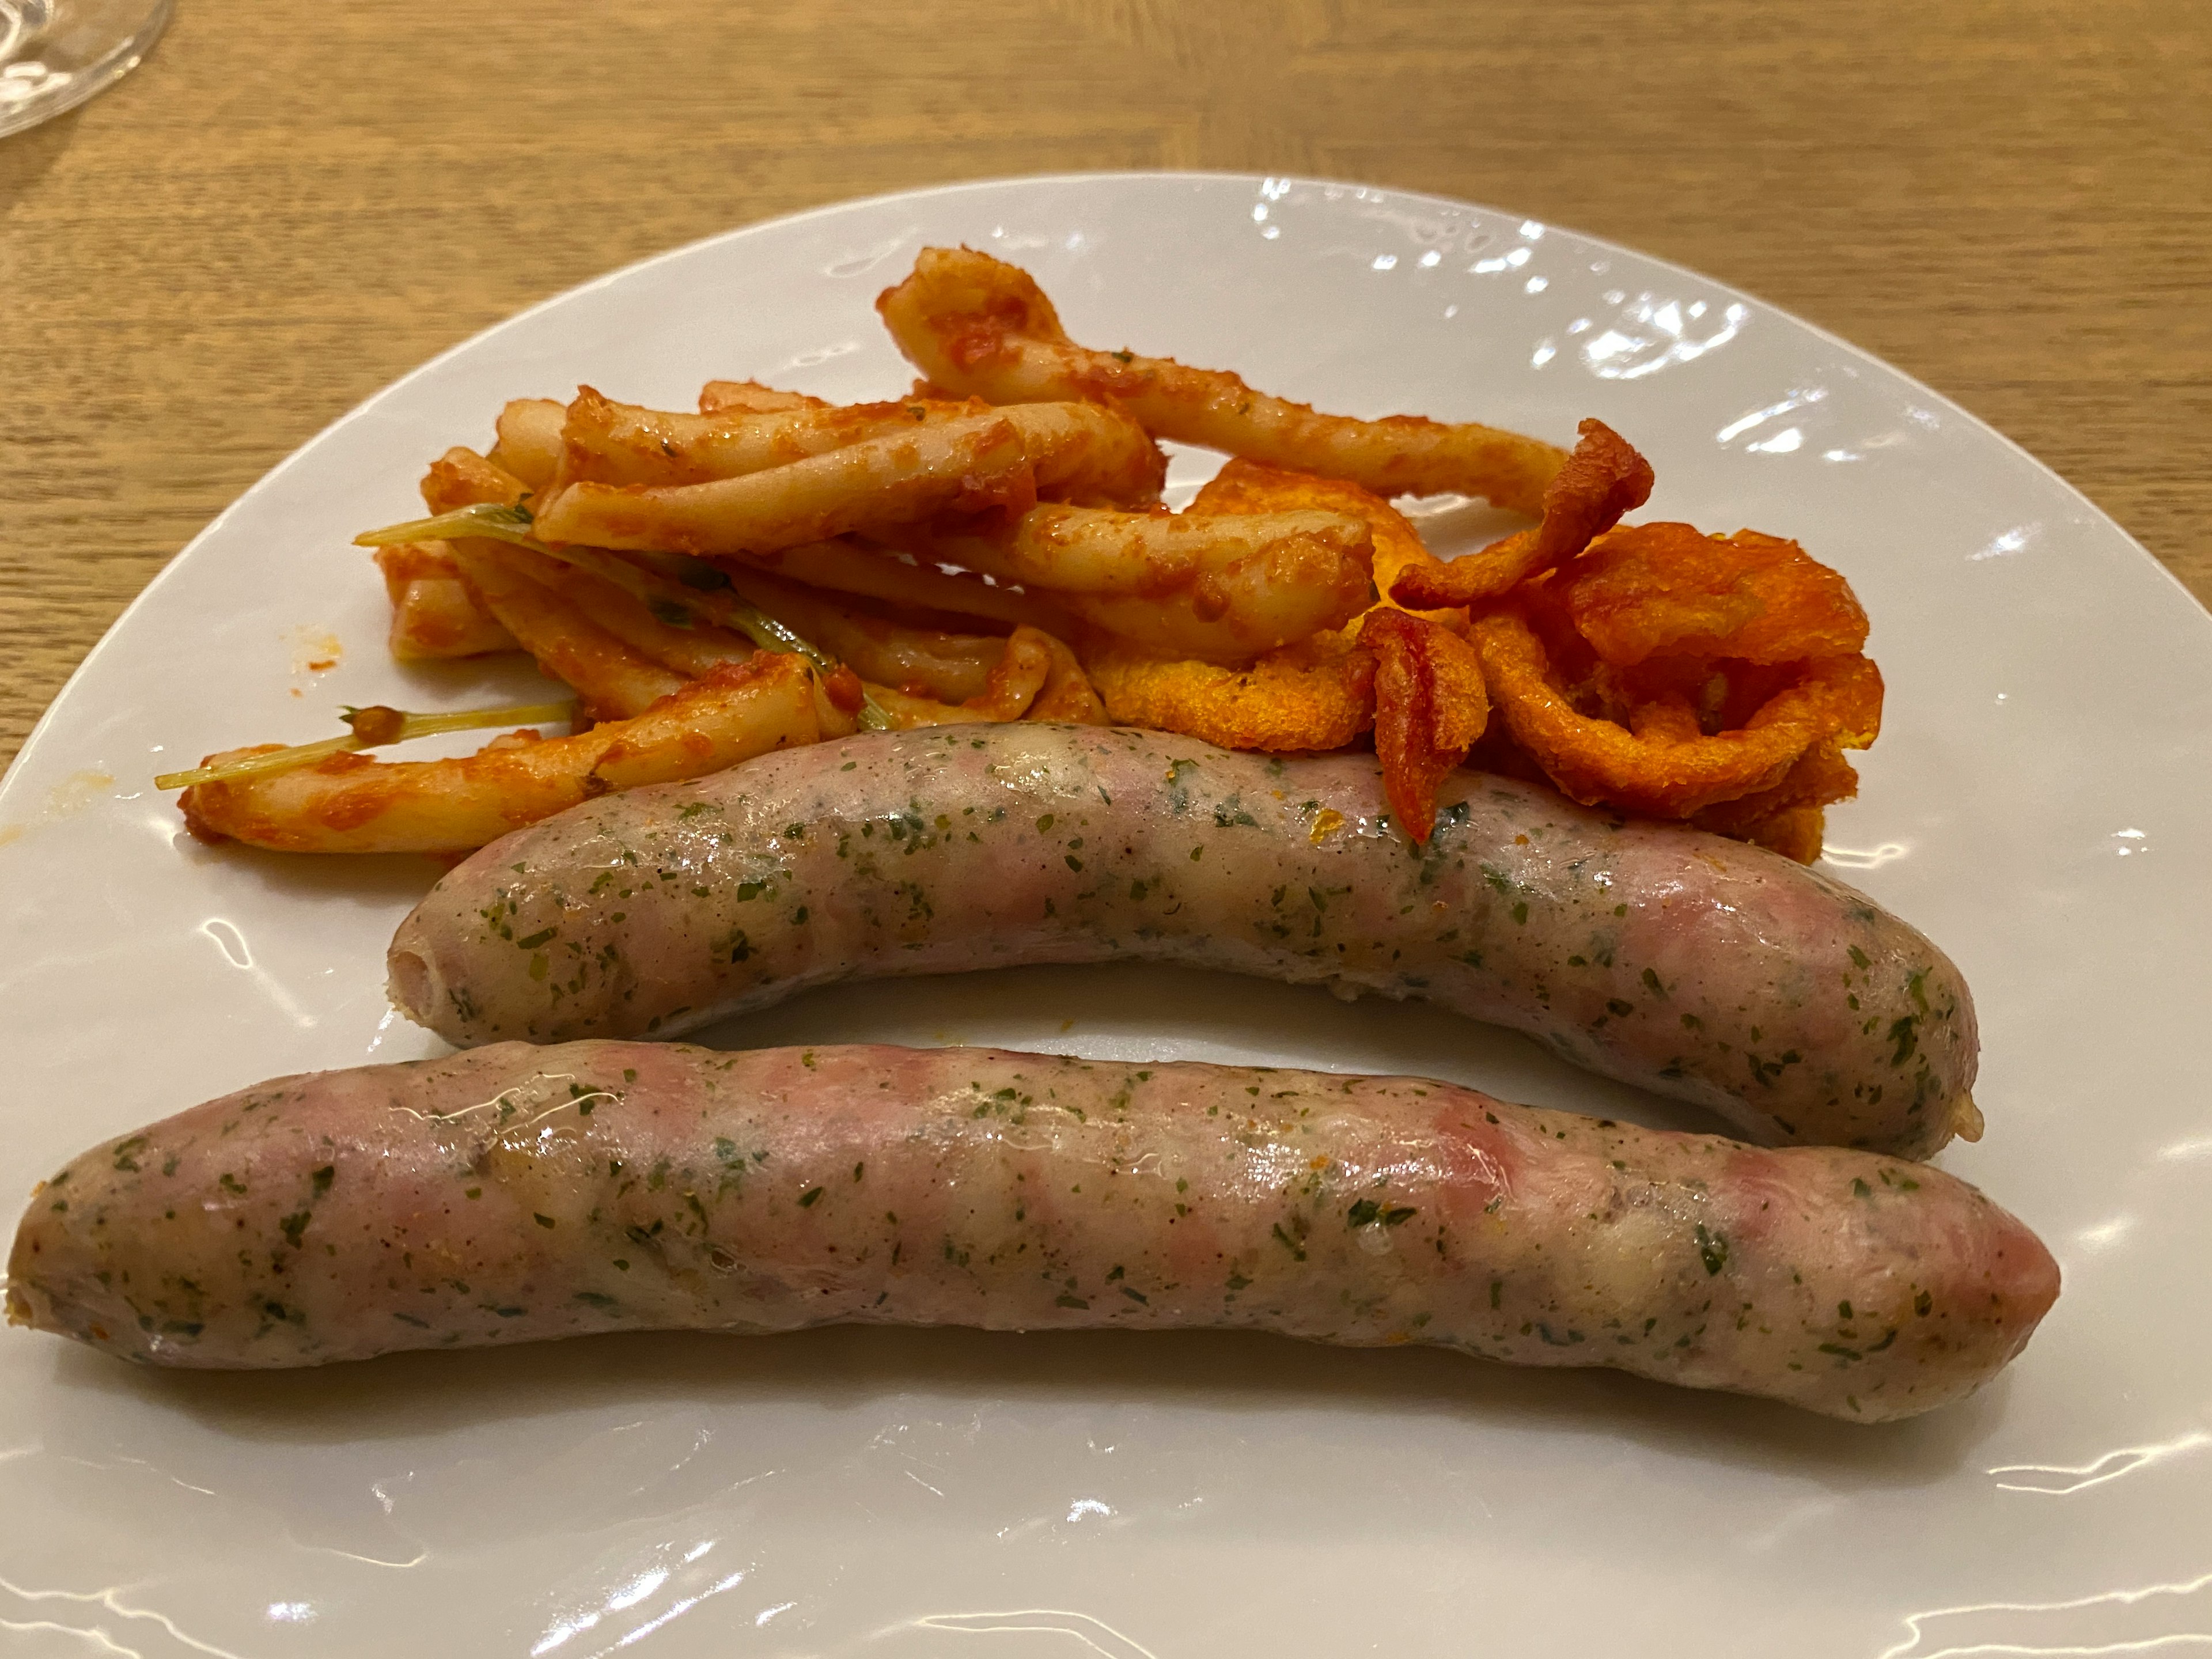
x=2035 y=804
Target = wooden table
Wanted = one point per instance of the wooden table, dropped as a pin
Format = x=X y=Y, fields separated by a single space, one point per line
x=294 y=201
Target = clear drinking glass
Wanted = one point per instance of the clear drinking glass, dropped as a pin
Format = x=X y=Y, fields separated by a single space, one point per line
x=54 y=54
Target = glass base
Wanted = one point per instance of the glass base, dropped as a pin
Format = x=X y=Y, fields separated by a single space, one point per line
x=54 y=54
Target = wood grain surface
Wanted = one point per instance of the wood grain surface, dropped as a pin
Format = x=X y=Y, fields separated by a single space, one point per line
x=294 y=201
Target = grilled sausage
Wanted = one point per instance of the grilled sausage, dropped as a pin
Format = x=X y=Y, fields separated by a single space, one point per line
x=512 y=1194
x=1698 y=968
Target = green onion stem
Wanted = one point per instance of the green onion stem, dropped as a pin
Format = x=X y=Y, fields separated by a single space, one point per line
x=705 y=588
x=494 y=519
x=678 y=578
x=373 y=727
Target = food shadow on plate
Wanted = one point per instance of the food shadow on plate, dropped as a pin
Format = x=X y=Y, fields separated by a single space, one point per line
x=1244 y=1377
x=383 y=882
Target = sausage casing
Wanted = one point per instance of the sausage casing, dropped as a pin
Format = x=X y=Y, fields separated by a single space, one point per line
x=511 y=1194
x=1696 y=967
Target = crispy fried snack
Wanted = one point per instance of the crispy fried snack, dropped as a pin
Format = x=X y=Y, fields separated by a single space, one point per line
x=433 y=615
x=1601 y=480
x=1430 y=707
x=1669 y=588
x=351 y=804
x=1289 y=702
x=1796 y=832
x=975 y=326
x=1662 y=670
x=1787 y=818
x=1663 y=762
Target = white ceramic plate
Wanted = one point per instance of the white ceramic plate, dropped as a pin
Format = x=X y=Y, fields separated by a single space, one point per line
x=2036 y=805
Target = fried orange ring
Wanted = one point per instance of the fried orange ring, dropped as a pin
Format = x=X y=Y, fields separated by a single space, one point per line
x=1603 y=478
x=1655 y=588
x=1430 y=707
x=1838 y=699
x=1796 y=832
x=1789 y=817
